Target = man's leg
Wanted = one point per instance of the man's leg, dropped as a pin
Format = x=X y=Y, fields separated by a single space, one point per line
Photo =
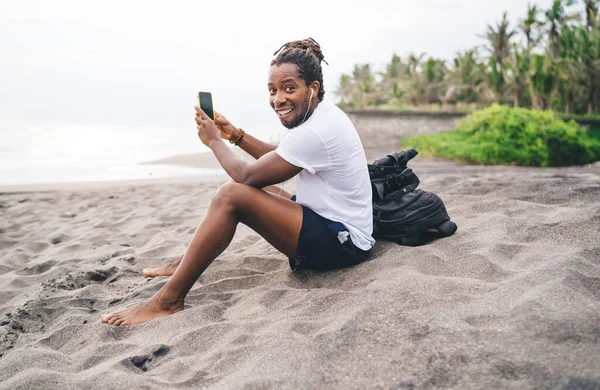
x=277 y=190
x=277 y=219
x=169 y=268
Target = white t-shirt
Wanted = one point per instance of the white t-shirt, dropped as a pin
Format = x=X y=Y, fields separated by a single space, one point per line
x=335 y=180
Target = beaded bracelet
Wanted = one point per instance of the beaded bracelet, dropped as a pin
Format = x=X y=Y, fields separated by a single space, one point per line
x=242 y=133
x=238 y=139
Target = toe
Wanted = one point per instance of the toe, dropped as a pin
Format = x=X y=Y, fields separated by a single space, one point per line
x=150 y=272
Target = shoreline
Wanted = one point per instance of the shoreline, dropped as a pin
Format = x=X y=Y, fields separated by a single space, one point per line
x=203 y=160
x=101 y=185
x=422 y=166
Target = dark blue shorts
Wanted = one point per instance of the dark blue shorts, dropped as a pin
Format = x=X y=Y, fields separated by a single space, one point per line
x=319 y=247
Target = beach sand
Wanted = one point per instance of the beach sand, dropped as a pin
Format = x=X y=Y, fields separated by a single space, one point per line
x=512 y=300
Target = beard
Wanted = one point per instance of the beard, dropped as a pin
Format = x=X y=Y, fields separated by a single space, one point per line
x=302 y=113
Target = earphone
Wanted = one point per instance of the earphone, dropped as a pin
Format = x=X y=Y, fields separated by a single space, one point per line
x=310 y=98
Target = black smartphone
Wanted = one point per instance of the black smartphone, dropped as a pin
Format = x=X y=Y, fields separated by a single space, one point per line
x=205 y=101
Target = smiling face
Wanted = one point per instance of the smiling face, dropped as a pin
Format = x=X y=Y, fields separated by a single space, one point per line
x=290 y=96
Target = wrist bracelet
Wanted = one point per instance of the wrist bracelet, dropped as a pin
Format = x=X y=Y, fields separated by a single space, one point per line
x=233 y=140
x=238 y=139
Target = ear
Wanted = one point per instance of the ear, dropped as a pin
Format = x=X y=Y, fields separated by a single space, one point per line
x=315 y=86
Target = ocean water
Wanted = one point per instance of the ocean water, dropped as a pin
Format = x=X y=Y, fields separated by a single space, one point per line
x=38 y=154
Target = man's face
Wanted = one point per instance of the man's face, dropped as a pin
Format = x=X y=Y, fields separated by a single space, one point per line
x=288 y=94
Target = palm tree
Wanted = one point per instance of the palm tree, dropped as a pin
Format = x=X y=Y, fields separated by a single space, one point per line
x=529 y=23
x=391 y=80
x=518 y=68
x=414 y=84
x=359 y=89
x=395 y=69
x=589 y=53
x=413 y=64
x=495 y=79
x=591 y=12
x=567 y=67
x=466 y=79
x=434 y=75
x=557 y=17
x=345 y=91
x=367 y=87
x=542 y=81
x=499 y=39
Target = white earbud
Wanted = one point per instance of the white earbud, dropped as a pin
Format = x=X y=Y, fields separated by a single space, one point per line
x=311 y=94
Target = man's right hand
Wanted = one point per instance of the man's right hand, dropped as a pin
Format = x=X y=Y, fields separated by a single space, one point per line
x=228 y=130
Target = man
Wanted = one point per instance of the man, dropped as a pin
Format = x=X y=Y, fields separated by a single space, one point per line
x=327 y=224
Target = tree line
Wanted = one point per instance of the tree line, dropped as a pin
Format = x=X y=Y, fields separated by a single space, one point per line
x=549 y=60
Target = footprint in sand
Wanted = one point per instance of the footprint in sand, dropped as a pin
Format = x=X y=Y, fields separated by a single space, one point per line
x=74 y=281
x=143 y=362
x=60 y=239
x=37 y=269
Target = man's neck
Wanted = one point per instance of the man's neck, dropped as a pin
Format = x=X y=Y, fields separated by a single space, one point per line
x=311 y=110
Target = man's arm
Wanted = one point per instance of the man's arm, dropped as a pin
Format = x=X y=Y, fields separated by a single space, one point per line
x=253 y=146
x=268 y=169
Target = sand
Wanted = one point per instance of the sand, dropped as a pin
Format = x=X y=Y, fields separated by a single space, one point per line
x=512 y=300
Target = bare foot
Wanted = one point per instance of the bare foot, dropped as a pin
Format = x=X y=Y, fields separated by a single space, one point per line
x=155 y=307
x=163 y=270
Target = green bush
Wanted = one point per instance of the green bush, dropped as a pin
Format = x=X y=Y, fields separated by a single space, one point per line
x=500 y=135
x=594 y=132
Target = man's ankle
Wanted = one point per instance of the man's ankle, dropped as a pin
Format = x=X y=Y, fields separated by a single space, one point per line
x=170 y=298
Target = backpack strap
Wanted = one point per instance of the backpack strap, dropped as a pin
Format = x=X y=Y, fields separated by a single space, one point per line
x=398 y=181
x=394 y=184
x=399 y=159
x=379 y=188
x=376 y=222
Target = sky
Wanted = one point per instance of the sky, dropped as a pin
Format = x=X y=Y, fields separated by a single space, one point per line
x=141 y=63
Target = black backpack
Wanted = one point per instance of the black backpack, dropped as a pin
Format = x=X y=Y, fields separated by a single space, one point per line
x=401 y=212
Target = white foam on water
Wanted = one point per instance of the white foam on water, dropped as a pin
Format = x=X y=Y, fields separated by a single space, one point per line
x=35 y=154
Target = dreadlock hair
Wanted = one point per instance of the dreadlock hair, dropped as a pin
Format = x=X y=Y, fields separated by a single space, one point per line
x=306 y=54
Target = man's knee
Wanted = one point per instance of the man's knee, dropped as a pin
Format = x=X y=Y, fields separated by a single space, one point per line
x=230 y=193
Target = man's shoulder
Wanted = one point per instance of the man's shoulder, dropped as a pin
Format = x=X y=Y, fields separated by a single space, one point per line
x=332 y=117
x=330 y=108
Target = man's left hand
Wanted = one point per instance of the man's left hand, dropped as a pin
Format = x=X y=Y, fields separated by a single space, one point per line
x=207 y=130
